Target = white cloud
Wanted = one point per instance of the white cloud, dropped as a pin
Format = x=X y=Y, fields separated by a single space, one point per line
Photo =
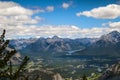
x=14 y=14
x=50 y=8
x=110 y=11
x=11 y=8
x=65 y=5
x=64 y=31
x=114 y=24
x=20 y=24
x=9 y=4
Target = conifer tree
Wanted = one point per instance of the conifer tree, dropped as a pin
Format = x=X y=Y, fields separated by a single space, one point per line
x=84 y=77
x=6 y=67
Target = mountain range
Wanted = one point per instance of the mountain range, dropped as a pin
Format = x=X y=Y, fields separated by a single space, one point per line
x=49 y=46
x=106 y=45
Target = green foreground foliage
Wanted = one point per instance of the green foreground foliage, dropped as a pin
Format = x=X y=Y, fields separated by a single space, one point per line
x=7 y=70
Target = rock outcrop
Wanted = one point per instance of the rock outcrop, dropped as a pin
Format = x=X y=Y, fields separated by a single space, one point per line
x=112 y=73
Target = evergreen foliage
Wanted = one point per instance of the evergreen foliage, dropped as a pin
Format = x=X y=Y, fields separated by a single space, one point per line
x=84 y=77
x=6 y=67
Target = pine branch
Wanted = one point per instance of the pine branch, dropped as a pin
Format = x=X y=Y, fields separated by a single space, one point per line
x=21 y=67
x=2 y=36
x=2 y=47
x=11 y=70
x=9 y=55
x=2 y=64
x=5 y=58
x=37 y=77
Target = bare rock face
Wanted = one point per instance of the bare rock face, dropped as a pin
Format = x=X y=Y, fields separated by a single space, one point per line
x=57 y=76
x=112 y=37
x=16 y=59
x=112 y=73
x=43 y=75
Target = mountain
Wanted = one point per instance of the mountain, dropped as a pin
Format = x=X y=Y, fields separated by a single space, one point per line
x=112 y=73
x=112 y=37
x=21 y=43
x=52 y=45
x=106 y=45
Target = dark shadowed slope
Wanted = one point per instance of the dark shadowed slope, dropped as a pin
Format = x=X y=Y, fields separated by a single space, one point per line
x=108 y=45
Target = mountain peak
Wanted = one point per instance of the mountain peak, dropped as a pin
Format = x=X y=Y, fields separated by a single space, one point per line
x=113 y=36
x=114 y=33
x=55 y=37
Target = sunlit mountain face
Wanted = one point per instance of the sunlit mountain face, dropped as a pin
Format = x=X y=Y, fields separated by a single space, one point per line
x=64 y=39
x=106 y=45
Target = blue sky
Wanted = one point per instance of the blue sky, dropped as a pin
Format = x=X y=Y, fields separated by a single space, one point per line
x=85 y=16
x=61 y=16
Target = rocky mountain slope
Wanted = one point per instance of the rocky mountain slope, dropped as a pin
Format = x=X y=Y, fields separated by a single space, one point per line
x=43 y=74
x=21 y=43
x=112 y=73
x=106 y=45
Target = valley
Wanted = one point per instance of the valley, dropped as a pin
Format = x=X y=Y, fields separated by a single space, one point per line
x=75 y=67
x=72 y=58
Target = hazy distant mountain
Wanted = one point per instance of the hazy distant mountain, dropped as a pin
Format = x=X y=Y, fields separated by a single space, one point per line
x=21 y=43
x=108 y=45
x=50 y=45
